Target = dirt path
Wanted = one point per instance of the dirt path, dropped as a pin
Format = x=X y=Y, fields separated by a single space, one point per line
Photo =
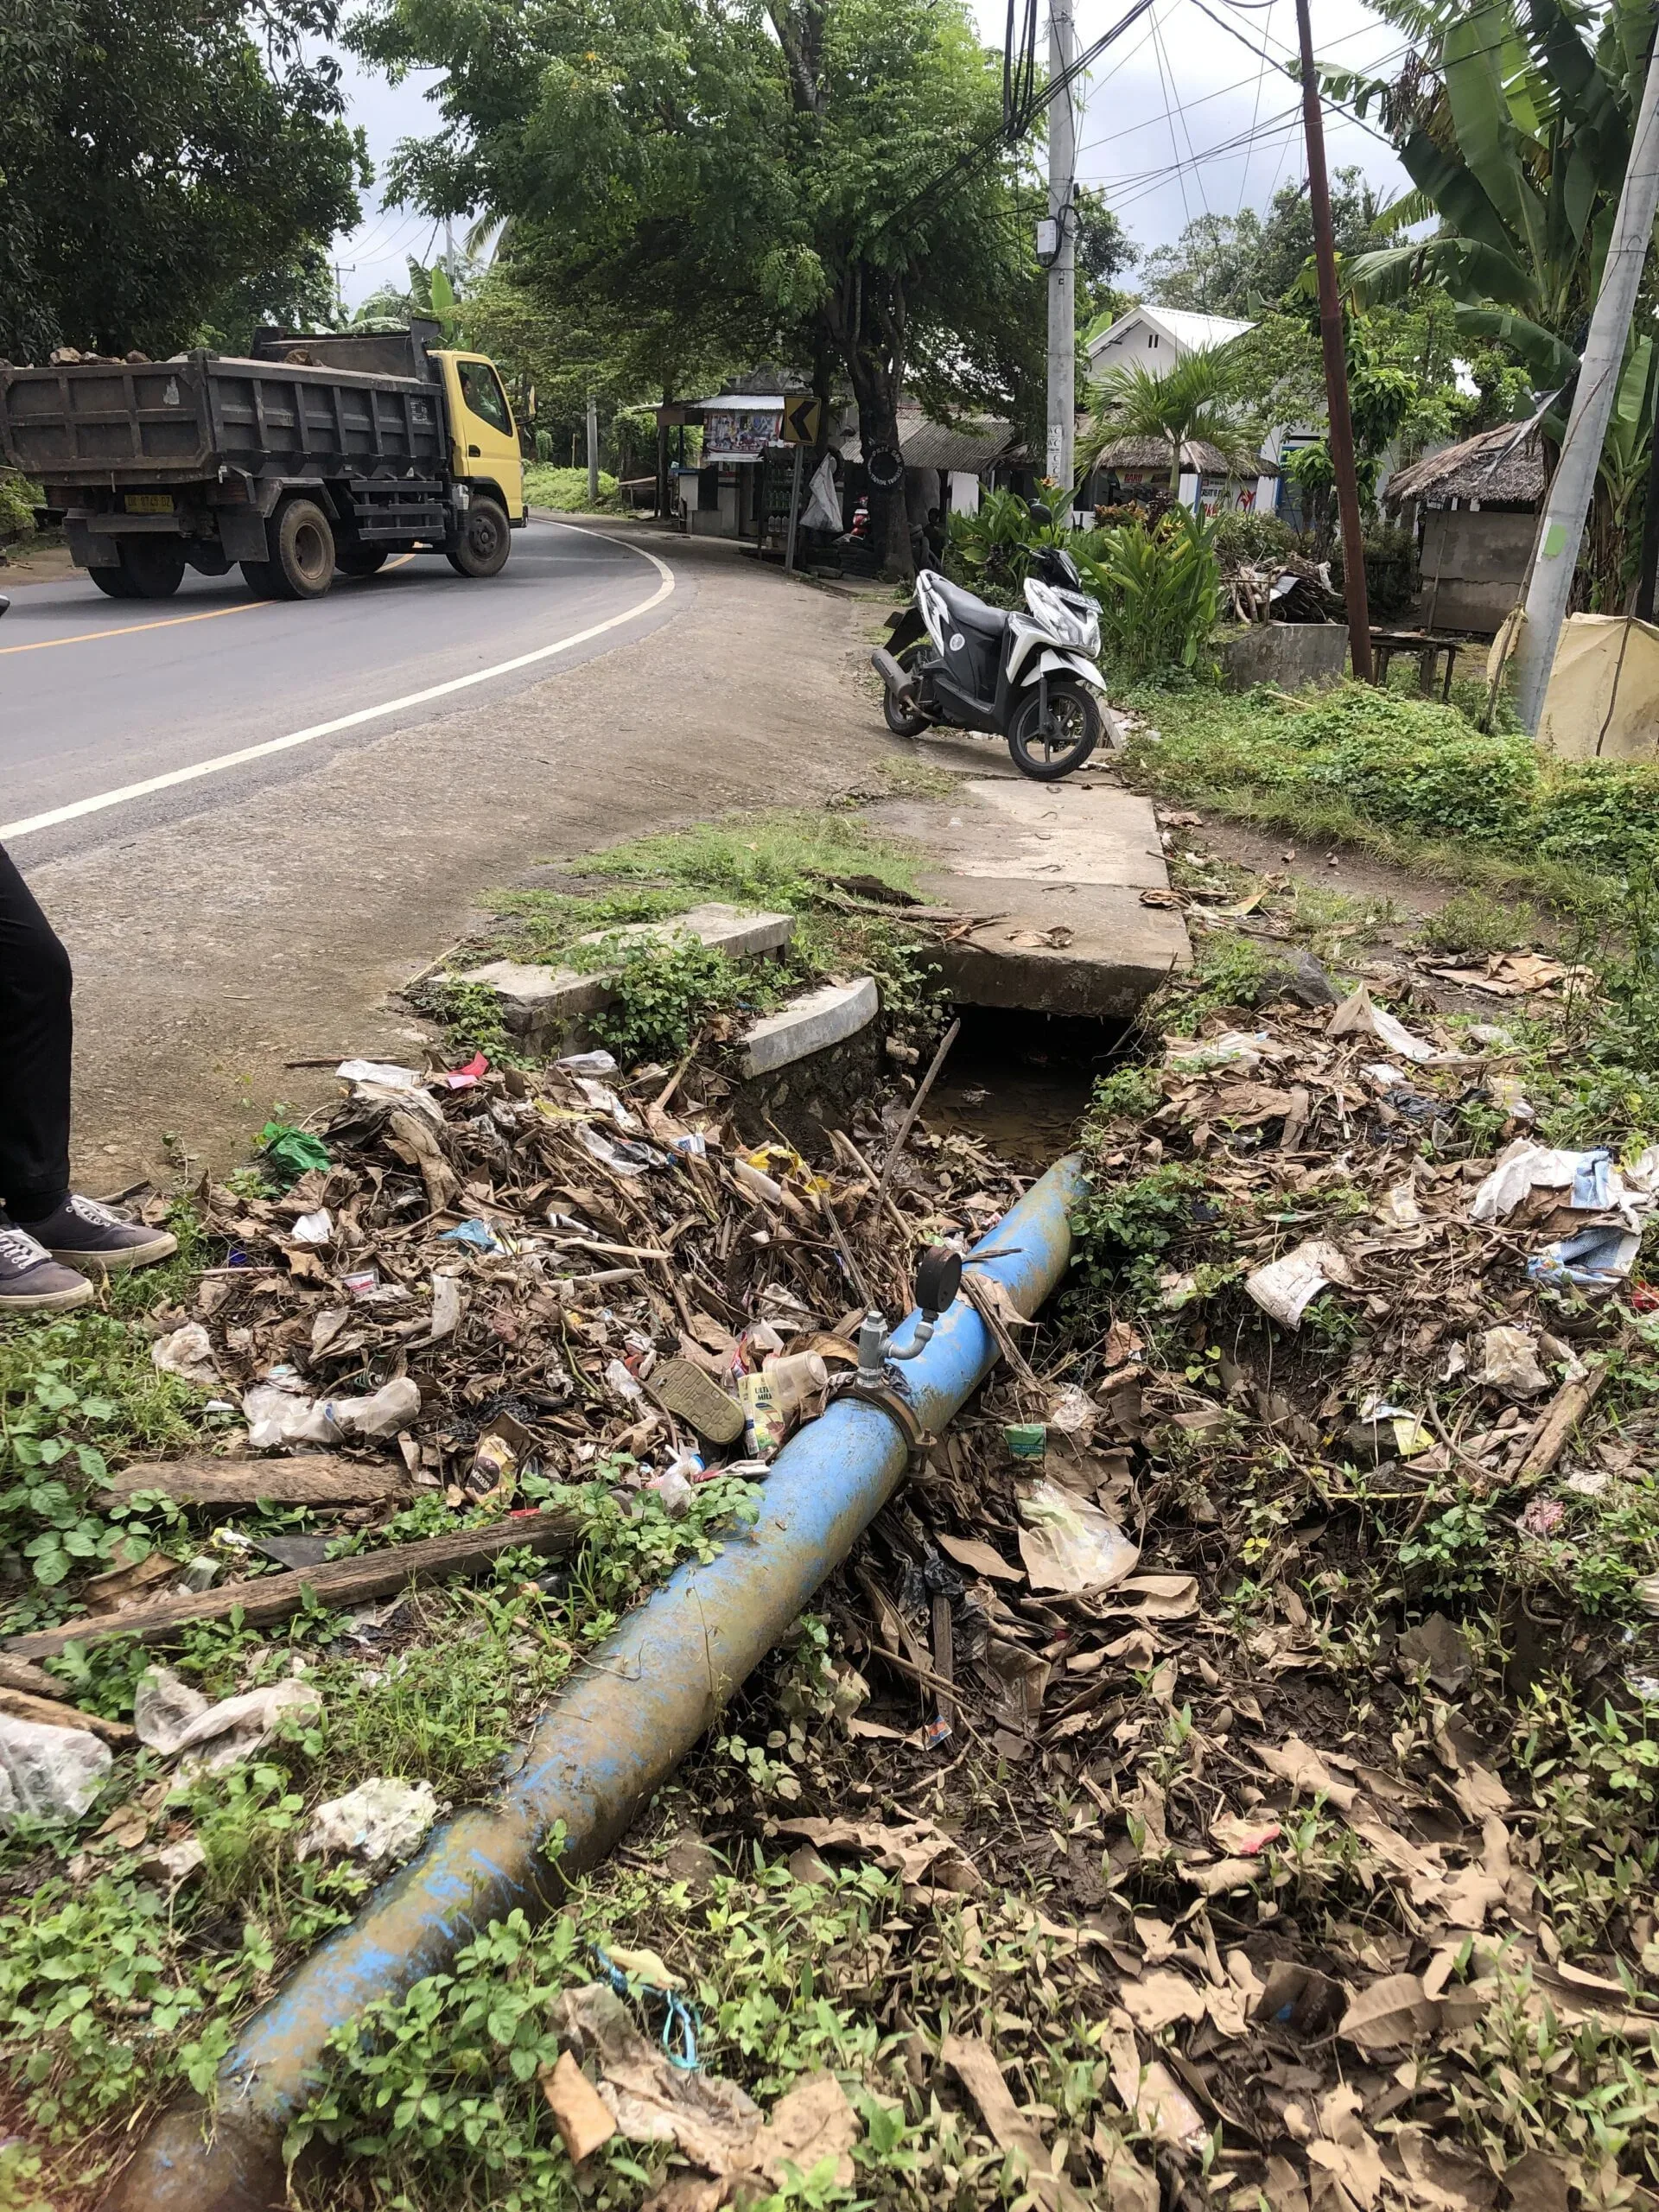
x=211 y=951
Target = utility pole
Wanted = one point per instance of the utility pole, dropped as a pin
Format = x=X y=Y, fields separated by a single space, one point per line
x=1335 y=364
x=1061 y=270
x=1561 y=524
x=592 y=451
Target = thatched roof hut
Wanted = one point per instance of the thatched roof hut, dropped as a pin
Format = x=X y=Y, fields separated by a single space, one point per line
x=1503 y=467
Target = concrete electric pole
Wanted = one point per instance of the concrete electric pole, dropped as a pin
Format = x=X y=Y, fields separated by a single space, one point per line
x=1560 y=525
x=1062 y=269
x=1335 y=364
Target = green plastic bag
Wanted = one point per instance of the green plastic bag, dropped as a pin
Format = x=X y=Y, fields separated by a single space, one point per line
x=289 y=1152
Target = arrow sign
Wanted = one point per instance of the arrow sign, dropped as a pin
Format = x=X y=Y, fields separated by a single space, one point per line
x=801 y=418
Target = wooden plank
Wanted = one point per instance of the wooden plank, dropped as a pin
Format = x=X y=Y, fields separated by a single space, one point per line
x=53 y=1712
x=340 y=1583
x=18 y=1674
x=308 y=1478
x=1564 y=1412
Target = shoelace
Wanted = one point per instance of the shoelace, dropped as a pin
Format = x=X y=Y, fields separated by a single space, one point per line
x=19 y=1250
x=89 y=1210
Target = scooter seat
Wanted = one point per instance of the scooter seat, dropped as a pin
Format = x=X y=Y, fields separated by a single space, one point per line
x=969 y=612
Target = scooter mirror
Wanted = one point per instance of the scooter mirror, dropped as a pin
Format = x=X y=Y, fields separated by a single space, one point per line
x=1040 y=515
x=938 y=1278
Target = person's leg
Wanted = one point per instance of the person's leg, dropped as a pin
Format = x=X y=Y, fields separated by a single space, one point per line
x=35 y=1037
x=50 y=1238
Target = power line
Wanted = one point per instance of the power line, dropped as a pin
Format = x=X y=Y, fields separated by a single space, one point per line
x=1334 y=106
x=1255 y=110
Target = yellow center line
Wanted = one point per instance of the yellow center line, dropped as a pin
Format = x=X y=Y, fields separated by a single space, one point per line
x=163 y=622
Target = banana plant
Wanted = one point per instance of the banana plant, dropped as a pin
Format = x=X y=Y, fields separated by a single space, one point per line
x=1515 y=129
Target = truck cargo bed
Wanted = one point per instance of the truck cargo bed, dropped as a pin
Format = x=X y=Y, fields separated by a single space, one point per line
x=88 y=422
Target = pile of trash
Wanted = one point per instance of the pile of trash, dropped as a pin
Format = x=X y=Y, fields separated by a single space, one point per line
x=1291 y=589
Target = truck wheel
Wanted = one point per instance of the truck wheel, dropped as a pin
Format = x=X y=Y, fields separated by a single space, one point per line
x=484 y=542
x=301 y=563
x=115 y=583
x=257 y=578
x=153 y=567
x=359 y=560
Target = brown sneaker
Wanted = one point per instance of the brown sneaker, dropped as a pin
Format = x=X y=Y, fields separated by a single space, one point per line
x=31 y=1281
x=82 y=1234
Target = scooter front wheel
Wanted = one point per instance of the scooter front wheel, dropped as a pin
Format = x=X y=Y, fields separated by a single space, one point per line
x=906 y=721
x=1073 y=731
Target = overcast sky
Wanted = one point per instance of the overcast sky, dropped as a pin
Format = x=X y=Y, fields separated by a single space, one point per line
x=1181 y=117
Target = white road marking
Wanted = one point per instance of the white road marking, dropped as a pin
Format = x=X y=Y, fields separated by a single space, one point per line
x=79 y=807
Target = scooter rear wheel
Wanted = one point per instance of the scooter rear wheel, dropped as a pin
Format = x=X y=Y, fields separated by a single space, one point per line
x=1073 y=731
x=906 y=721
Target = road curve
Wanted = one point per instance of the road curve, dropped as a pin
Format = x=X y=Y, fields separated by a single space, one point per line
x=116 y=712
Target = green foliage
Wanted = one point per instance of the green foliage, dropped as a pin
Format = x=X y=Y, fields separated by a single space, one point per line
x=1250 y=538
x=1125 y=1093
x=169 y=171
x=1451 y=1556
x=1159 y=589
x=782 y=859
x=1195 y=399
x=682 y=179
x=663 y=997
x=1477 y=925
x=18 y=500
x=70 y=1393
x=1121 y=1231
x=1231 y=264
x=565 y=490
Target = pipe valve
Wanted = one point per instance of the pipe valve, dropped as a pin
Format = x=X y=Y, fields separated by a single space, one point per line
x=938 y=1278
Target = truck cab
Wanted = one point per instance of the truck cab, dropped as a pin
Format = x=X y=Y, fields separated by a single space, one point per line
x=484 y=451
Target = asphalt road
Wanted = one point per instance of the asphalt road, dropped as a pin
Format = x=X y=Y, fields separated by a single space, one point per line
x=115 y=712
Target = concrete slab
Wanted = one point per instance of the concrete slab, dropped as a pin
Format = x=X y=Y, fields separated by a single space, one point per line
x=536 y=1001
x=808 y=1024
x=1056 y=872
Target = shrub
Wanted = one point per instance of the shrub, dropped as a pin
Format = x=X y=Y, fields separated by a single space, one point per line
x=1159 y=590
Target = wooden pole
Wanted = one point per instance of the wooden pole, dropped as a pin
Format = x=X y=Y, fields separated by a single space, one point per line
x=1336 y=363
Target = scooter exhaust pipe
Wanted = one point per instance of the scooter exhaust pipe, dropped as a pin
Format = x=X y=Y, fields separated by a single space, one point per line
x=902 y=688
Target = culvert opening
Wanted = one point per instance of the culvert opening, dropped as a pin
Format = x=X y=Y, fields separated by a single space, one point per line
x=1020 y=1081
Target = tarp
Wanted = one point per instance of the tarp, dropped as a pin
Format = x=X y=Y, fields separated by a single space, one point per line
x=1602 y=701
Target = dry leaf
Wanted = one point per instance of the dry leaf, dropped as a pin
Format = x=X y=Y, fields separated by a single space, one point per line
x=972 y=2059
x=980 y=1558
x=1158 y=1999
x=1390 y=2014
x=1149 y=2093
x=1300 y=1765
x=1127 y=2185
x=812 y=2122
x=1479 y=1793
x=1224 y=1874
x=581 y=2115
x=1536 y=2182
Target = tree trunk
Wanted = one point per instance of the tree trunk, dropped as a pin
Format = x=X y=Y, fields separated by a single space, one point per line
x=662 y=465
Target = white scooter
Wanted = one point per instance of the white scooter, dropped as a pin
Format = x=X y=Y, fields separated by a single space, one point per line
x=1031 y=678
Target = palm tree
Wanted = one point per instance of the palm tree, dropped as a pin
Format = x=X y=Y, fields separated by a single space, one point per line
x=1190 y=401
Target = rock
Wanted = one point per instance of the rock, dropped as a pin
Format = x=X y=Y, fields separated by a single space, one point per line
x=1300 y=979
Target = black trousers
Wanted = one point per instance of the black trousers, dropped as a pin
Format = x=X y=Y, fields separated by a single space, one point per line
x=35 y=1036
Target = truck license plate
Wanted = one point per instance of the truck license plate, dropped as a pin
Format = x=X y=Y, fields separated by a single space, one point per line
x=149 y=503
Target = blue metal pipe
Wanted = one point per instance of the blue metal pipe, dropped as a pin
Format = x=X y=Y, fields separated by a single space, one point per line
x=611 y=1738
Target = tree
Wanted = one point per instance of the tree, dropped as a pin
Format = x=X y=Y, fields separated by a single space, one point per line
x=816 y=182
x=1103 y=251
x=166 y=168
x=1516 y=131
x=1193 y=400
x=1236 y=265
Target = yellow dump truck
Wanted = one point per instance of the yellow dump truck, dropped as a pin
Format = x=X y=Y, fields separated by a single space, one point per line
x=314 y=456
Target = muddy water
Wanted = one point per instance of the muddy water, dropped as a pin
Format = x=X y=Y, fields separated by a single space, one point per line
x=1021 y=1083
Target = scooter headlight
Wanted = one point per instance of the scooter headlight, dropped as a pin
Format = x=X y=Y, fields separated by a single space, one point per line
x=1073 y=618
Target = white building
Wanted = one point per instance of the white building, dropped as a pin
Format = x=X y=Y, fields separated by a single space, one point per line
x=1155 y=338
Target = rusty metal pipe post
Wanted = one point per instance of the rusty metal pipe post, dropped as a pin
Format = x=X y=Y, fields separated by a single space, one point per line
x=596 y=1755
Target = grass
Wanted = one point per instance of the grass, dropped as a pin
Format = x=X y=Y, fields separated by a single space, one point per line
x=825 y=868
x=1475 y=924
x=1409 y=781
x=565 y=490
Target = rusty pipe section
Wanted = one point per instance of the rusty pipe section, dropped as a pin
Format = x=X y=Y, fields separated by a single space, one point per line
x=611 y=1738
